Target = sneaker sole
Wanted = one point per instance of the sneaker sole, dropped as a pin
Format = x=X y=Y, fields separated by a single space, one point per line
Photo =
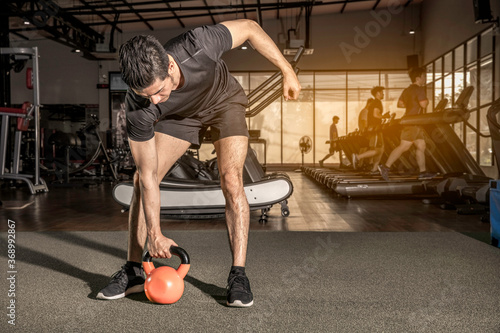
x=132 y=290
x=239 y=304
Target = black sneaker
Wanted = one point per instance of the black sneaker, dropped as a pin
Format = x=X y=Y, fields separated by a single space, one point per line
x=238 y=289
x=426 y=175
x=127 y=280
x=384 y=172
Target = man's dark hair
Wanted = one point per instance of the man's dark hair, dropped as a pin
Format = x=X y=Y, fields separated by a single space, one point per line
x=143 y=60
x=335 y=117
x=416 y=72
x=376 y=89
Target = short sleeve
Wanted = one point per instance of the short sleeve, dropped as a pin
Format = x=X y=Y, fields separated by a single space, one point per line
x=402 y=98
x=141 y=117
x=215 y=40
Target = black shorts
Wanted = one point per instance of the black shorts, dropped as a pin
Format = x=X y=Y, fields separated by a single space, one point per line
x=223 y=122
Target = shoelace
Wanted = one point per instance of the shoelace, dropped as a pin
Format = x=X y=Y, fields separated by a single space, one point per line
x=240 y=283
x=118 y=277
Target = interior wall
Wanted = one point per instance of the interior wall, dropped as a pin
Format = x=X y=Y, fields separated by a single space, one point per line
x=65 y=77
x=448 y=23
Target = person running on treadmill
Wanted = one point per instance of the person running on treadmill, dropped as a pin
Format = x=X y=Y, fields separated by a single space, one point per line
x=334 y=134
x=415 y=101
x=375 y=139
x=363 y=116
x=175 y=92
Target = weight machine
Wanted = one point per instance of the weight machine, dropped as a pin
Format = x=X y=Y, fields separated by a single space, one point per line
x=24 y=114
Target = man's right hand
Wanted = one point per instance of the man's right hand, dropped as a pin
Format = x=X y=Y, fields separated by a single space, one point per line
x=159 y=247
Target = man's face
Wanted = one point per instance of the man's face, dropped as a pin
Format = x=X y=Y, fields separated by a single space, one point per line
x=379 y=95
x=159 y=91
x=422 y=79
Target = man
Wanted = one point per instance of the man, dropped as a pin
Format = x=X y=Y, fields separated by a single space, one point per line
x=333 y=144
x=175 y=92
x=375 y=139
x=415 y=101
x=363 y=116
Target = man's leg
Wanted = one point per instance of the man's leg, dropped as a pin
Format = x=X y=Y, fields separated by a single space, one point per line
x=376 y=158
x=367 y=154
x=397 y=152
x=393 y=157
x=231 y=155
x=325 y=158
x=420 y=154
x=130 y=278
x=170 y=150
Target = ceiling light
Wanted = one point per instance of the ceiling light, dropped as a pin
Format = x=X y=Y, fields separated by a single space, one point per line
x=411 y=32
x=76 y=50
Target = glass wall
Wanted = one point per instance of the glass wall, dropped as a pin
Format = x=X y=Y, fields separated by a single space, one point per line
x=325 y=94
x=469 y=64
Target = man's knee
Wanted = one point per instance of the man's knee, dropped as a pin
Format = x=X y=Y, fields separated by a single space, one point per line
x=232 y=183
x=420 y=145
x=405 y=145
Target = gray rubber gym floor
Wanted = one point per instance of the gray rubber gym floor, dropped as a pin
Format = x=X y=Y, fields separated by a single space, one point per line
x=302 y=282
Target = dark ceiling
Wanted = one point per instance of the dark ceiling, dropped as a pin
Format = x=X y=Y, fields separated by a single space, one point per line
x=83 y=24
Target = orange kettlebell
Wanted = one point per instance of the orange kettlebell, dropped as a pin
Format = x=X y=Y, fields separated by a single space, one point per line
x=165 y=284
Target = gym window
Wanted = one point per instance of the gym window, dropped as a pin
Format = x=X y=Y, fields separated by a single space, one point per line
x=324 y=94
x=469 y=64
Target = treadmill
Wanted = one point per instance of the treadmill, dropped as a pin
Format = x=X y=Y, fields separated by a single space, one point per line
x=445 y=154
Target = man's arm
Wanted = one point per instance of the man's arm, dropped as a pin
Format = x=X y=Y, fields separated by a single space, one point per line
x=146 y=160
x=424 y=103
x=422 y=98
x=243 y=30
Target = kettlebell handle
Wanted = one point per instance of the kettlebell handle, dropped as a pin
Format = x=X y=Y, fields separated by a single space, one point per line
x=148 y=265
x=175 y=250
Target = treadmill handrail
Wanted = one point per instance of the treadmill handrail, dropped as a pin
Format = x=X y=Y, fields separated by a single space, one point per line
x=455 y=114
x=449 y=116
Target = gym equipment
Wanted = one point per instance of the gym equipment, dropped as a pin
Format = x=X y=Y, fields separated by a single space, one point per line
x=495 y=212
x=305 y=146
x=165 y=285
x=24 y=114
x=86 y=140
x=493 y=123
x=445 y=153
x=201 y=198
